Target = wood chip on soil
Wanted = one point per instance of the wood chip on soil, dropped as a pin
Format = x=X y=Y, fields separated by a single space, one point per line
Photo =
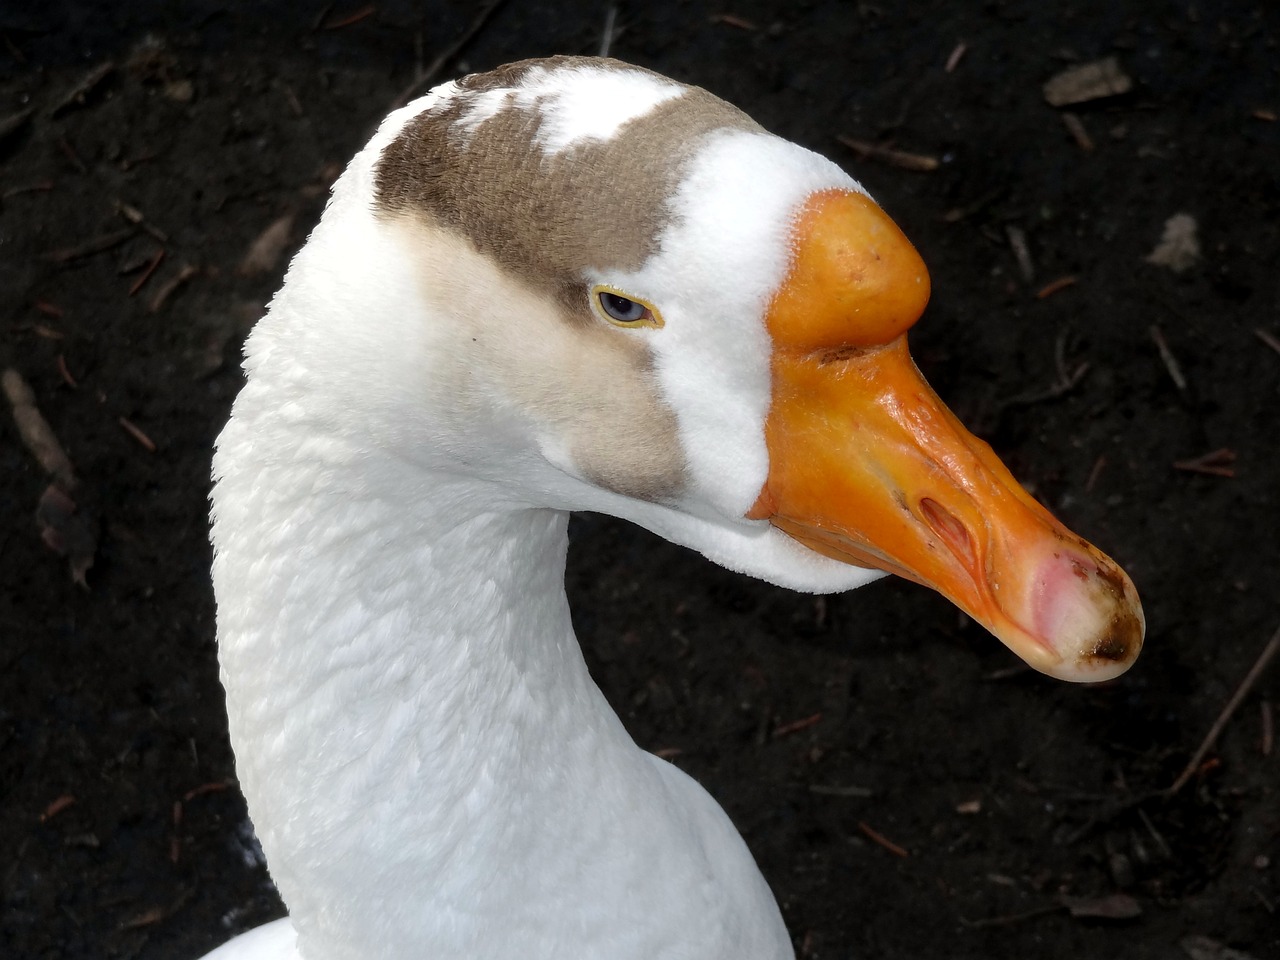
x=79 y=94
x=1198 y=947
x=267 y=250
x=1086 y=82
x=37 y=436
x=1117 y=906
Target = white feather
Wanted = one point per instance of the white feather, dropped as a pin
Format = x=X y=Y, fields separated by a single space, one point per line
x=577 y=104
x=430 y=768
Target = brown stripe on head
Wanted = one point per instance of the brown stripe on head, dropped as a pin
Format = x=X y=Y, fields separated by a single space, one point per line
x=547 y=218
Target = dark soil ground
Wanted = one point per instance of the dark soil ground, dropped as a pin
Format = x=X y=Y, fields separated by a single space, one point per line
x=1031 y=816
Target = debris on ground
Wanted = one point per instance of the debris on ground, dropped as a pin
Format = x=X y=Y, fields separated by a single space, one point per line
x=1179 y=246
x=1085 y=82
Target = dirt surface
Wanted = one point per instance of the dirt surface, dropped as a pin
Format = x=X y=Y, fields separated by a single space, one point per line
x=1022 y=817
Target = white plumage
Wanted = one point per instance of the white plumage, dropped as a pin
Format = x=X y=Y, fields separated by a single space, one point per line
x=429 y=766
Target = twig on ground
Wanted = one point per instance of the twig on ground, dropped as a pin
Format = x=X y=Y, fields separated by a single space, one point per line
x=1068 y=379
x=1116 y=906
x=918 y=162
x=1170 y=361
x=824 y=790
x=213 y=786
x=175 y=839
x=1199 y=947
x=69 y=152
x=79 y=94
x=447 y=54
x=1228 y=711
x=1021 y=252
x=147 y=271
x=136 y=432
x=953 y=61
x=806 y=944
x=1267 y=338
x=1266 y=904
x=13 y=123
x=1156 y=835
x=13 y=49
x=1049 y=289
x=162 y=296
x=40 y=186
x=1009 y=920
x=291 y=98
x=318 y=22
x=146 y=918
x=956 y=214
x=134 y=264
x=733 y=20
x=57 y=806
x=1095 y=473
x=879 y=838
x=107 y=241
x=1075 y=127
x=795 y=726
x=364 y=12
x=152 y=914
x=1006 y=673
x=134 y=216
x=65 y=373
x=129 y=163
x=1215 y=463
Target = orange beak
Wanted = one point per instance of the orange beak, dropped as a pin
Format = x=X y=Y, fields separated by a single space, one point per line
x=866 y=464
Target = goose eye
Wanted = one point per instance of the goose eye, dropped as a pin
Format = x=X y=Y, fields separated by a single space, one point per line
x=622 y=309
x=610 y=303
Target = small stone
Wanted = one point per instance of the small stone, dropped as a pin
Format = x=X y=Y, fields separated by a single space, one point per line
x=1121 y=870
x=180 y=91
x=1179 y=247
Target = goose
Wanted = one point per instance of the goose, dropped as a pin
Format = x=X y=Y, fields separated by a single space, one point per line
x=572 y=284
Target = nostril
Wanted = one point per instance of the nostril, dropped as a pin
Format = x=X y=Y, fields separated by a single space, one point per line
x=948 y=529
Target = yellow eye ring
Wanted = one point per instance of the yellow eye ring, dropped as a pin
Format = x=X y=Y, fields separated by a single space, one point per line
x=622 y=309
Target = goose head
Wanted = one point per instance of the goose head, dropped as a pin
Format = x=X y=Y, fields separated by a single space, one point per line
x=575 y=284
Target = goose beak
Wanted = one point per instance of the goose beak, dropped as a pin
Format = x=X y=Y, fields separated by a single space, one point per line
x=866 y=464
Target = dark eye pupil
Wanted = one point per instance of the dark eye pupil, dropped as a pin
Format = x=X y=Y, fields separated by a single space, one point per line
x=620 y=308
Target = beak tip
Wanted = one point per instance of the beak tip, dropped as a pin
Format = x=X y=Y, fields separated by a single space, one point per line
x=1081 y=610
x=1111 y=653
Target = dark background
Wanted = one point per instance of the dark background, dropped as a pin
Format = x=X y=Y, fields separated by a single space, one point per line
x=1024 y=805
